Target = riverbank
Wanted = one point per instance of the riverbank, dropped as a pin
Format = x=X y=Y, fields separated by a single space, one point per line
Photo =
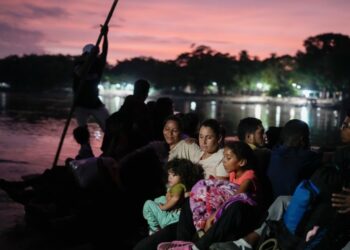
x=61 y=97
x=245 y=99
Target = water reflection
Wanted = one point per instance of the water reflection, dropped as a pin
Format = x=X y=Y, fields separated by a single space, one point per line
x=258 y=111
x=213 y=110
x=31 y=125
x=278 y=116
x=304 y=115
x=292 y=113
x=3 y=101
x=193 y=106
x=323 y=122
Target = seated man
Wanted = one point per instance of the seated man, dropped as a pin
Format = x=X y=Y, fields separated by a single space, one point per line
x=341 y=160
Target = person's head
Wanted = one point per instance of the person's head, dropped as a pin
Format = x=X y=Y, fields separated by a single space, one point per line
x=81 y=135
x=295 y=134
x=141 y=89
x=88 y=48
x=184 y=171
x=238 y=156
x=210 y=136
x=164 y=107
x=273 y=136
x=151 y=106
x=191 y=122
x=250 y=130
x=172 y=130
x=345 y=128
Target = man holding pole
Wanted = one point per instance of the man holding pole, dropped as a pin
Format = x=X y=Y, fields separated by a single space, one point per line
x=81 y=73
x=86 y=93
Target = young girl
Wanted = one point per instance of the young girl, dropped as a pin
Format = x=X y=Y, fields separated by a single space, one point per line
x=238 y=162
x=165 y=210
x=210 y=197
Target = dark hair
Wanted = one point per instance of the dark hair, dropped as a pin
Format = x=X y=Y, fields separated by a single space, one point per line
x=189 y=172
x=273 y=136
x=164 y=107
x=151 y=105
x=348 y=112
x=218 y=130
x=176 y=118
x=247 y=126
x=141 y=88
x=242 y=152
x=191 y=122
x=81 y=134
x=215 y=126
x=295 y=133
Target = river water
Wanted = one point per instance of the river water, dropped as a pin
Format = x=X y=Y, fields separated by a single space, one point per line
x=31 y=125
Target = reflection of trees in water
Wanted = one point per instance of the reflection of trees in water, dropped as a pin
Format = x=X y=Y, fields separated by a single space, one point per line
x=42 y=108
x=323 y=122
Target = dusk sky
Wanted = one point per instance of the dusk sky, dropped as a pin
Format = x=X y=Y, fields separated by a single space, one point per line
x=163 y=29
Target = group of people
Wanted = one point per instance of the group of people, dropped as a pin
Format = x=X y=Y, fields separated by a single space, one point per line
x=177 y=182
x=198 y=193
x=240 y=223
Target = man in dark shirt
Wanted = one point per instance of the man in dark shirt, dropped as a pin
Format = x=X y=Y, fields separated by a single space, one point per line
x=130 y=126
x=292 y=161
x=85 y=87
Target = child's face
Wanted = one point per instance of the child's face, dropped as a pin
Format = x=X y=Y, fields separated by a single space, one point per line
x=231 y=162
x=173 y=179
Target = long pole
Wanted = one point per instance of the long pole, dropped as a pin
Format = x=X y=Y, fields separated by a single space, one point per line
x=84 y=73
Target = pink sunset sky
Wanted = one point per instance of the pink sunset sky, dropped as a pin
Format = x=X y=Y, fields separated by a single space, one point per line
x=163 y=29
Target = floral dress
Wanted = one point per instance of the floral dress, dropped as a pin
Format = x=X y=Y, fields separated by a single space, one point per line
x=214 y=195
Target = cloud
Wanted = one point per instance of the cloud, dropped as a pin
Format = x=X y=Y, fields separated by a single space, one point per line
x=14 y=40
x=144 y=39
x=39 y=12
x=30 y=11
x=164 y=29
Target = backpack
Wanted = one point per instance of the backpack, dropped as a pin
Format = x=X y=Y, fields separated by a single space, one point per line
x=310 y=206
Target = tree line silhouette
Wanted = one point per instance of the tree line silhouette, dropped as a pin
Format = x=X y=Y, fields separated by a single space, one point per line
x=323 y=66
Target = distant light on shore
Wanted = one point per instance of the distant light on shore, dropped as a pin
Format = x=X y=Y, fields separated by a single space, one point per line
x=193 y=106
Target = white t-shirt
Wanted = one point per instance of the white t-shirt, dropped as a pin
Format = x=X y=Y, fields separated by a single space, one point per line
x=183 y=150
x=211 y=165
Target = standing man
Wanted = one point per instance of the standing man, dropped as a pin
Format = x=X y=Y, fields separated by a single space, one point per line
x=141 y=89
x=85 y=87
x=130 y=126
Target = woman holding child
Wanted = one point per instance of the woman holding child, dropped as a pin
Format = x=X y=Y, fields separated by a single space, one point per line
x=229 y=217
x=234 y=220
x=139 y=176
x=208 y=155
x=209 y=152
